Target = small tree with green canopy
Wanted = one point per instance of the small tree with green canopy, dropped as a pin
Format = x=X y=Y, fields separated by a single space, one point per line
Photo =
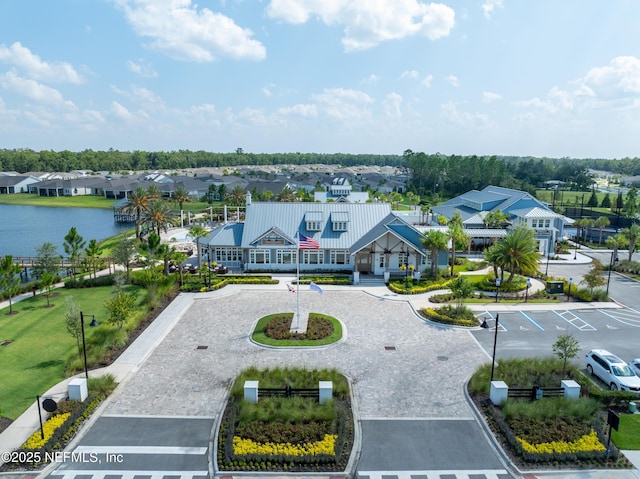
x=594 y=278
x=120 y=307
x=72 y=321
x=47 y=260
x=9 y=278
x=73 y=244
x=47 y=283
x=461 y=289
x=566 y=347
x=124 y=253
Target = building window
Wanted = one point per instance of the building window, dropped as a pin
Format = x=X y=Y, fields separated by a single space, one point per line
x=339 y=226
x=227 y=255
x=339 y=257
x=313 y=257
x=534 y=223
x=425 y=258
x=547 y=223
x=313 y=225
x=286 y=256
x=259 y=256
x=382 y=260
x=403 y=259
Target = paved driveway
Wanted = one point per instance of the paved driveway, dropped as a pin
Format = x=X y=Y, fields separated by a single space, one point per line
x=400 y=367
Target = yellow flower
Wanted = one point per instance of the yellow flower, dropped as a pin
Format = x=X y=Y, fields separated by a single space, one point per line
x=35 y=441
x=587 y=443
x=242 y=447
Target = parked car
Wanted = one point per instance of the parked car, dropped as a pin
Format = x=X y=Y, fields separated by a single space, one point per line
x=635 y=365
x=617 y=374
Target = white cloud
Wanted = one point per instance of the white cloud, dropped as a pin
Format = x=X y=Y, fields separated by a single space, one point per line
x=302 y=110
x=452 y=80
x=142 y=68
x=490 y=97
x=181 y=31
x=489 y=7
x=426 y=81
x=344 y=104
x=370 y=80
x=33 y=90
x=121 y=112
x=392 y=105
x=32 y=66
x=412 y=74
x=620 y=78
x=367 y=23
x=449 y=111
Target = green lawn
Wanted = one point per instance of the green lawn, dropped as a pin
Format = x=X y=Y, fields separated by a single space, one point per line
x=34 y=361
x=260 y=337
x=61 y=201
x=628 y=434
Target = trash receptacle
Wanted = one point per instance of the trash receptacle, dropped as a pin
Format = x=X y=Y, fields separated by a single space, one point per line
x=554 y=287
x=632 y=407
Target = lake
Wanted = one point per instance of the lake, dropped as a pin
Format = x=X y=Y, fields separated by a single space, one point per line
x=24 y=228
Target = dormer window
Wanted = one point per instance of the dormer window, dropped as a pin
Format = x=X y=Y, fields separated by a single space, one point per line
x=340 y=220
x=313 y=220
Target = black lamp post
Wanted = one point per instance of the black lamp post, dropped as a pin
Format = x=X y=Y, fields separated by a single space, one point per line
x=495 y=341
x=497 y=288
x=84 y=346
x=569 y=295
x=526 y=294
x=611 y=262
x=209 y=265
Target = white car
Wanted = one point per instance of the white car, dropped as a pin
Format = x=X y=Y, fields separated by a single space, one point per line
x=635 y=365
x=617 y=374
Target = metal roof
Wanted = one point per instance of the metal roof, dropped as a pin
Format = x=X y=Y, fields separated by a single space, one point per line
x=290 y=218
x=226 y=235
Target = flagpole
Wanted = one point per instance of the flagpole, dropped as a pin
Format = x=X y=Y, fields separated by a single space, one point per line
x=298 y=287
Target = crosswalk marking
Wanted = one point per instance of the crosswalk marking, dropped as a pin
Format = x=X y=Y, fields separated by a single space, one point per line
x=486 y=474
x=163 y=450
x=130 y=474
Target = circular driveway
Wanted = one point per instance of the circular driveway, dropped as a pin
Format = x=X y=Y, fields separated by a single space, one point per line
x=400 y=366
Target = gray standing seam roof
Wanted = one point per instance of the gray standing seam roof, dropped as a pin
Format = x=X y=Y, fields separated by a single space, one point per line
x=290 y=219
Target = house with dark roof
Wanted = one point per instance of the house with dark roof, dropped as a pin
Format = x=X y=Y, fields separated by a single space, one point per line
x=521 y=208
x=364 y=238
x=11 y=184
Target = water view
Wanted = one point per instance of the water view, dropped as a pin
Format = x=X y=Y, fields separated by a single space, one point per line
x=24 y=228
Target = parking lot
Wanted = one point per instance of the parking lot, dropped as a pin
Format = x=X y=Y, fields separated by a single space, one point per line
x=569 y=321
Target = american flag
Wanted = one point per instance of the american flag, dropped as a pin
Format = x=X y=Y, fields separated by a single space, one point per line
x=307 y=243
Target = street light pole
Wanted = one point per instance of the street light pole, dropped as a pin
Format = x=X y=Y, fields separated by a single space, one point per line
x=610 y=268
x=497 y=288
x=569 y=295
x=526 y=294
x=84 y=346
x=495 y=341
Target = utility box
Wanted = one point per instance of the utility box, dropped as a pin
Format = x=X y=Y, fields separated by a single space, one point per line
x=77 y=389
x=555 y=287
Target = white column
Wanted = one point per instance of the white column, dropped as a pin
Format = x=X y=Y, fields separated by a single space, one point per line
x=251 y=391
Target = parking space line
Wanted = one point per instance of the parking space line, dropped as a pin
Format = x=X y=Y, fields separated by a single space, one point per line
x=532 y=320
x=583 y=325
x=492 y=317
x=620 y=317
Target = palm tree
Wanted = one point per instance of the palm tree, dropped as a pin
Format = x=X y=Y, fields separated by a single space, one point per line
x=631 y=234
x=197 y=232
x=519 y=252
x=457 y=235
x=153 y=192
x=496 y=258
x=138 y=203
x=615 y=243
x=435 y=241
x=181 y=196
x=496 y=219
x=157 y=215
x=286 y=195
x=237 y=195
x=602 y=222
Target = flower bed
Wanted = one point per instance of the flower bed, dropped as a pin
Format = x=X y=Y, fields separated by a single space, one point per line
x=447 y=315
x=292 y=434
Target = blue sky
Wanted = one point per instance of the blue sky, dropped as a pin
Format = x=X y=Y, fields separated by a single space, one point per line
x=507 y=77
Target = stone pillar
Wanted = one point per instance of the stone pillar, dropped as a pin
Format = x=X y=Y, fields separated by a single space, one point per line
x=499 y=392
x=326 y=391
x=571 y=389
x=77 y=389
x=251 y=391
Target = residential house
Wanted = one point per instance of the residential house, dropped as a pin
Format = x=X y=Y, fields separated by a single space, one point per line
x=11 y=184
x=340 y=191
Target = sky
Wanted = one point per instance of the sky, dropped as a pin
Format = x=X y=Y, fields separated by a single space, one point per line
x=486 y=77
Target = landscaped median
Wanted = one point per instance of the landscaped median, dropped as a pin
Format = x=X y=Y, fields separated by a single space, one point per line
x=286 y=432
